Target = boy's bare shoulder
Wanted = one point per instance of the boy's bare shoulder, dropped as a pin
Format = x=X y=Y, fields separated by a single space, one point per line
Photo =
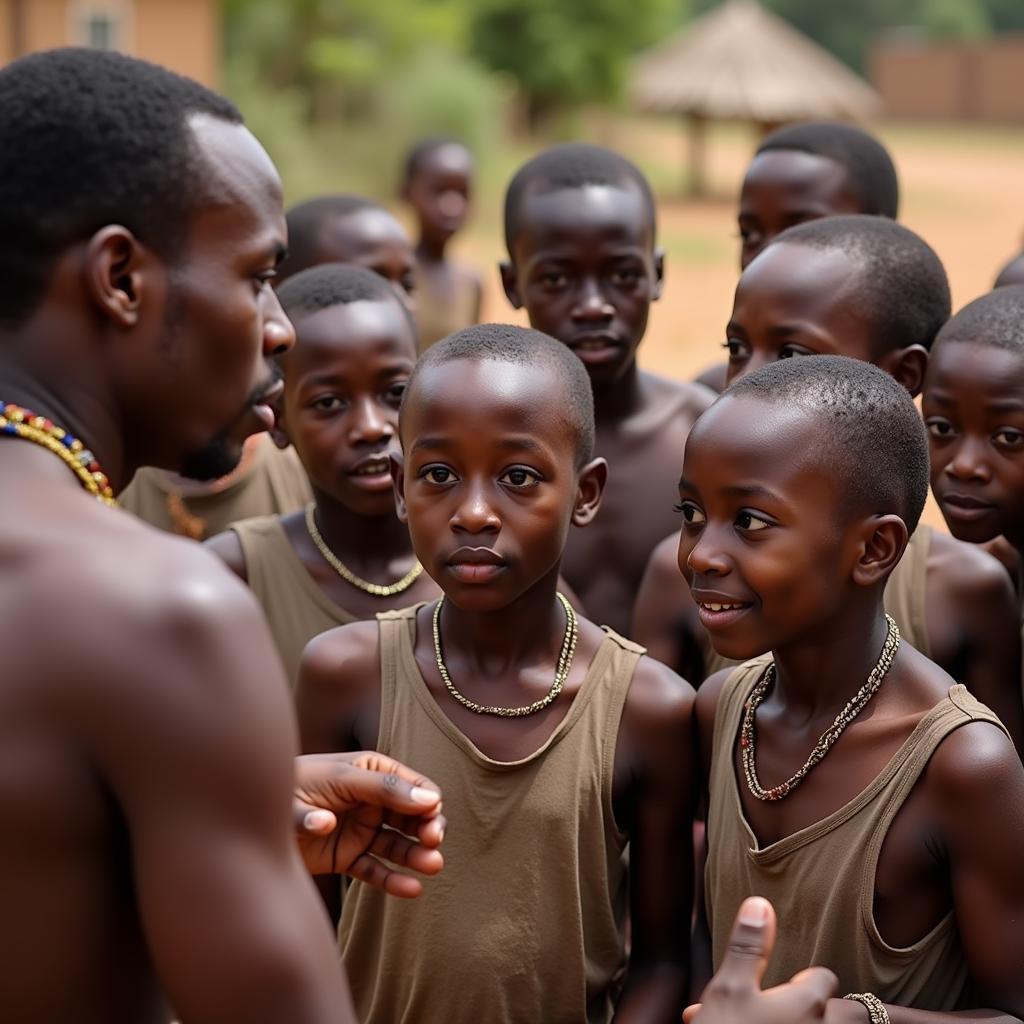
x=345 y=658
x=659 y=698
x=969 y=573
x=681 y=397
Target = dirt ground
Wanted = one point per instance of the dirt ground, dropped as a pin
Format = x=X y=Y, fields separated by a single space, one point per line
x=962 y=189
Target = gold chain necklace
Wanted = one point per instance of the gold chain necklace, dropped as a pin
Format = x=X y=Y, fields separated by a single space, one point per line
x=561 y=671
x=19 y=422
x=853 y=708
x=376 y=589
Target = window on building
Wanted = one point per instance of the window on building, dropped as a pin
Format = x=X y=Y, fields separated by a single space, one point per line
x=100 y=24
x=101 y=32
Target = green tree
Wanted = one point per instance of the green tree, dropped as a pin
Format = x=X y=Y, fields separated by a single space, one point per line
x=566 y=53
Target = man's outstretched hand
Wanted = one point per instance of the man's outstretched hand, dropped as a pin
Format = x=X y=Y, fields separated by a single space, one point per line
x=734 y=995
x=354 y=812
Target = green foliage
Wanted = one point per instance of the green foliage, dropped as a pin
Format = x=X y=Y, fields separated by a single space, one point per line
x=569 y=52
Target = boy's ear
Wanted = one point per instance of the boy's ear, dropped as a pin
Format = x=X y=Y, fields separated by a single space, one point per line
x=659 y=273
x=883 y=541
x=589 y=491
x=508 y=281
x=117 y=274
x=908 y=365
x=397 y=464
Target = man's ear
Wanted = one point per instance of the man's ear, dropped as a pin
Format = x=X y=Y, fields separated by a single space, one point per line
x=117 y=274
x=659 y=273
x=882 y=543
x=908 y=365
x=589 y=491
x=397 y=465
x=508 y=281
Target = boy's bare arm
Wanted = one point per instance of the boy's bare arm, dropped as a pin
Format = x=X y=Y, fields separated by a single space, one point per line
x=187 y=722
x=661 y=614
x=656 y=750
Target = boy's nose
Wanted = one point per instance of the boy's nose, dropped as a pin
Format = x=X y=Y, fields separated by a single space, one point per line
x=368 y=424
x=475 y=514
x=968 y=463
x=705 y=558
x=592 y=305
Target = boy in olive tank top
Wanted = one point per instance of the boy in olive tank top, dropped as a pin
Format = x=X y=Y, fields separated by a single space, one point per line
x=867 y=288
x=878 y=804
x=557 y=745
x=346 y=556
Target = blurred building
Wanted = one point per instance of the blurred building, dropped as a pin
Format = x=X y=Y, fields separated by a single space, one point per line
x=951 y=81
x=180 y=34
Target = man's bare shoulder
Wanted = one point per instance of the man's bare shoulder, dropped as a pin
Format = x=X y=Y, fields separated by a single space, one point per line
x=678 y=397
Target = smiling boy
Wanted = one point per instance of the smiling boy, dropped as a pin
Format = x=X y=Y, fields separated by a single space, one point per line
x=557 y=745
x=346 y=556
x=583 y=262
x=850 y=780
x=867 y=288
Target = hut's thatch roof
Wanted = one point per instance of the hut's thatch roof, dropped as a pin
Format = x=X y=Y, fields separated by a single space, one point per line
x=742 y=62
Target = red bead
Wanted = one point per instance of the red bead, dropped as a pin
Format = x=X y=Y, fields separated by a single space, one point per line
x=93 y=467
x=744 y=742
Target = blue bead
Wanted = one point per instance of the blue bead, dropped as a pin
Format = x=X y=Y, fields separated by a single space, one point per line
x=68 y=441
x=10 y=428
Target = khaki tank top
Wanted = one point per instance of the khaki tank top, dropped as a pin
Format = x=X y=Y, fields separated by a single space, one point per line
x=526 y=922
x=437 y=316
x=294 y=605
x=822 y=878
x=904 y=601
x=274 y=483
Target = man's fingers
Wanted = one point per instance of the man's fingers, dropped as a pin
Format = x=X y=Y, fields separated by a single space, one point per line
x=310 y=820
x=750 y=947
x=371 y=871
x=424 y=793
x=398 y=849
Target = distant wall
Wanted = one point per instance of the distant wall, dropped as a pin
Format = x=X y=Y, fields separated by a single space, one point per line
x=181 y=34
x=979 y=81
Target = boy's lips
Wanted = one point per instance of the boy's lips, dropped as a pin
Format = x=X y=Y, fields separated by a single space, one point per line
x=475 y=565
x=599 y=347
x=372 y=473
x=964 y=506
x=717 y=610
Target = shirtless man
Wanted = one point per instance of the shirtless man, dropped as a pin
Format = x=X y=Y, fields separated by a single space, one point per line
x=142 y=704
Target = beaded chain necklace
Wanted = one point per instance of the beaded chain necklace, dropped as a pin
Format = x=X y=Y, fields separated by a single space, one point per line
x=855 y=706
x=562 y=670
x=20 y=422
x=376 y=589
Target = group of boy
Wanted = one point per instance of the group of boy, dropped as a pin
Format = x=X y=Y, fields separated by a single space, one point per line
x=448 y=494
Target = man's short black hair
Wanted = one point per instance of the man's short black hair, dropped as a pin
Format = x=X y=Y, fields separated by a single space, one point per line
x=337 y=284
x=523 y=346
x=996 y=320
x=90 y=138
x=306 y=221
x=1012 y=272
x=870 y=434
x=573 y=165
x=421 y=152
x=902 y=290
x=870 y=174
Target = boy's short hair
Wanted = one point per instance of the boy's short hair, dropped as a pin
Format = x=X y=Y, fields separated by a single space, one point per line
x=89 y=138
x=305 y=222
x=523 y=346
x=903 y=290
x=421 y=151
x=870 y=174
x=573 y=165
x=872 y=437
x=337 y=284
x=996 y=320
x=1011 y=273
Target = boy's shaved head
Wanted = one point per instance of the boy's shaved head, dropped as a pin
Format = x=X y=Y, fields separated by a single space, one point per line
x=902 y=289
x=995 y=320
x=333 y=284
x=870 y=174
x=571 y=166
x=871 y=435
x=306 y=222
x=90 y=138
x=503 y=343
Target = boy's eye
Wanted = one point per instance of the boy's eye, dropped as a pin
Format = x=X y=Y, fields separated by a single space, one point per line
x=327 y=403
x=519 y=476
x=691 y=513
x=1009 y=438
x=260 y=281
x=626 y=276
x=789 y=351
x=751 y=522
x=553 y=279
x=938 y=427
x=394 y=393
x=438 y=474
x=408 y=285
x=737 y=349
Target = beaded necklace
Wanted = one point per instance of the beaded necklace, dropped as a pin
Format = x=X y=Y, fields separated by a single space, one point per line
x=20 y=422
x=855 y=706
x=562 y=670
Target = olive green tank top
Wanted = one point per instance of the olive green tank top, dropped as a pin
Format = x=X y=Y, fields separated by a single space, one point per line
x=904 y=601
x=822 y=878
x=527 y=920
x=274 y=482
x=294 y=605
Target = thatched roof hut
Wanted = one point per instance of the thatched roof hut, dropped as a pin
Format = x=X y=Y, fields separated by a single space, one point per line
x=741 y=62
